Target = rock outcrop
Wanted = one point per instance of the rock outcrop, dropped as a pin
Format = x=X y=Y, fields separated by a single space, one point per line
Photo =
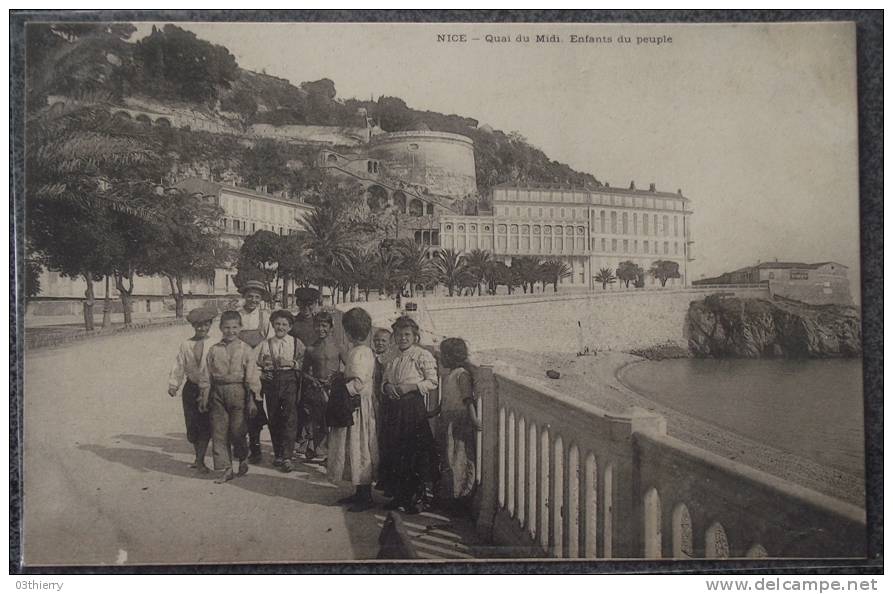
x=754 y=328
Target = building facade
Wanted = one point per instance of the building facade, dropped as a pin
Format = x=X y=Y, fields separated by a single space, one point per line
x=820 y=283
x=588 y=228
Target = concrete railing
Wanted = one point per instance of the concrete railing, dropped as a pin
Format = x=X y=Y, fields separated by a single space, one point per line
x=563 y=478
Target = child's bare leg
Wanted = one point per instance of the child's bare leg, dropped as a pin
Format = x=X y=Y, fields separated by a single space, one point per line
x=201 y=448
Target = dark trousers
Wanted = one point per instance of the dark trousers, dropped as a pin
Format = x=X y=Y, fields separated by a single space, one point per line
x=198 y=424
x=311 y=428
x=228 y=424
x=255 y=425
x=281 y=393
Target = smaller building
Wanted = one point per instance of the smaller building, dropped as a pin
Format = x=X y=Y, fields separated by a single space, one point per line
x=820 y=283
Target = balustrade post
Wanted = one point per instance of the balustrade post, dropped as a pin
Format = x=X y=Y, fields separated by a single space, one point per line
x=628 y=508
x=487 y=390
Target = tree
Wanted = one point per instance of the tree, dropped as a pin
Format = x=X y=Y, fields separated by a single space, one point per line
x=329 y=245
x=416 y=267
x=605 y=276
x=663 y=270
x=31 y=279
x=450 y=265
x=628 y=271
x=262 y=252
x=500 y=274
x=554 y=271
x=478 y=262
x=173 y=62
x=528 y=269
x=189 y=244
x=294 y=266
x=82 y=170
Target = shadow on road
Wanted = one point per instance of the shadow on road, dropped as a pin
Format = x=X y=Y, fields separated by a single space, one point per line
x=434 y=536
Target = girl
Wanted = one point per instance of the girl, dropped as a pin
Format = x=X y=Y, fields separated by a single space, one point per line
x=353 y=451
x=457 y=426
x=410 y=454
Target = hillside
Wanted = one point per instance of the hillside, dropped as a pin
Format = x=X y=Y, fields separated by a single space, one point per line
x=174 y=66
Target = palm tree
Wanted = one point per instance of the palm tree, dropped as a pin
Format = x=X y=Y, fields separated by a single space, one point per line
x=605 y=276
x=450 y=264
x=553 y=271
x=416 y=266
x=388 y=267
x=329 y=246
x=479 y=262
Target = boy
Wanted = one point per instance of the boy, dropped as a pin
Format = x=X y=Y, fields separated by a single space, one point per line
x=255 y=328
x=190 y=363
x=229 y=383
x=280 y=359
x=322 y=362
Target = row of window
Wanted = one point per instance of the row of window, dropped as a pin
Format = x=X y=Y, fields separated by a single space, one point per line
x=241 y=227
x=501 y=195
x=650 y=225
x=624 y=246
x=600 y=219
x=272 y=213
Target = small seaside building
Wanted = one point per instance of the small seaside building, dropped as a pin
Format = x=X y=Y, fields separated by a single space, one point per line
x=820 y=283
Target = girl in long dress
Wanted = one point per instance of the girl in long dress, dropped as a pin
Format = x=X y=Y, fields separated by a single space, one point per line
x=456 y=427
x=353 y=450
x=410 y=456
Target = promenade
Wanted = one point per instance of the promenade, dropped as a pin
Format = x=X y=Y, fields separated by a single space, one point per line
x=107 y=478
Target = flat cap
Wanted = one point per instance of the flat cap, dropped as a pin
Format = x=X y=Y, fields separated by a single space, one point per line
x=201 y=314
x=307 y=295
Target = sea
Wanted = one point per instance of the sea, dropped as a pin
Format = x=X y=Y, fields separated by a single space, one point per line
x=811 y=408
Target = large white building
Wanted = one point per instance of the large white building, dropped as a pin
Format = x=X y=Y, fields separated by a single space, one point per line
x=589 y=228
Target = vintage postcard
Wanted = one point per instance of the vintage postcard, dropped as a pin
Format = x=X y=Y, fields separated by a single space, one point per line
x=339 y=292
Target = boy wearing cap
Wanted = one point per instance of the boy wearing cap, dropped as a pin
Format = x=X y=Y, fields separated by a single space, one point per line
x=189 y=364
x=255 y=329
x=230 y=384
x=280 y=358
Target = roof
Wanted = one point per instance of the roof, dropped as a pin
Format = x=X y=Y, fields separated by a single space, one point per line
x=785 y=265
x=197 y=185
x=590 y=189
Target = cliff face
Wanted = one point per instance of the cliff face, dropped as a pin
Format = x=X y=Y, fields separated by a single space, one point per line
x=754 y=328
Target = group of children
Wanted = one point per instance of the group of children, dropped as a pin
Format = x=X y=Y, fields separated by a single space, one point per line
x=327 y=395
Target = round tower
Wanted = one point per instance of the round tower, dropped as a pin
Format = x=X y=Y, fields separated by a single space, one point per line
x=441 y=161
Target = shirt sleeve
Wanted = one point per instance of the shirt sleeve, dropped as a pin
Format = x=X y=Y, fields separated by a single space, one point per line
x=263 y=350
x=178 y=371
x=427 y=367
x=360 y=370
x=204 y=372
x=252 y=372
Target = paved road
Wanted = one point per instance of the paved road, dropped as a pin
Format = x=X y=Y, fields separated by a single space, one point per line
x=107 y=481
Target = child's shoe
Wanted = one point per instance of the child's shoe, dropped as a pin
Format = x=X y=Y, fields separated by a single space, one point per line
x=277 y=461
x=287 y=466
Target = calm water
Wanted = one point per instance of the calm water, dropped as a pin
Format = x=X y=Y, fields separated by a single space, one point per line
x=810 y=408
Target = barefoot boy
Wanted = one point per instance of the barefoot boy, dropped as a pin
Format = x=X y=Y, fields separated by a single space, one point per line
x=229 y=384
x=189 y=363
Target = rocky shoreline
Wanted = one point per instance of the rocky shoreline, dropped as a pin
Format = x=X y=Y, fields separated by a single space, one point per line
x=598 y=380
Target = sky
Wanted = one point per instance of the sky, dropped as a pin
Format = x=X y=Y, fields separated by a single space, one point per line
x=757 y=124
